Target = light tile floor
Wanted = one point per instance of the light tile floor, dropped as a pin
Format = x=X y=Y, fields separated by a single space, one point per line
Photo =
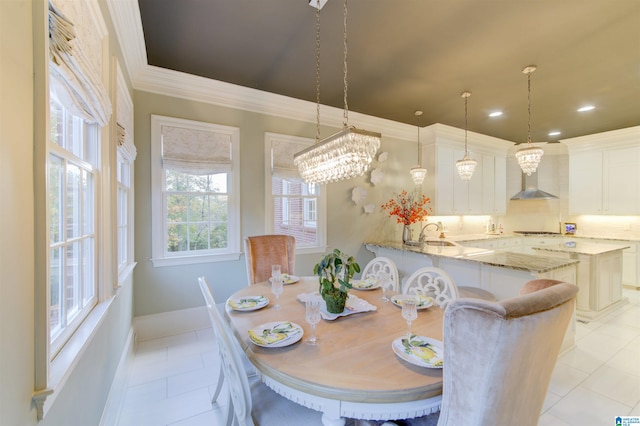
x=171 y=379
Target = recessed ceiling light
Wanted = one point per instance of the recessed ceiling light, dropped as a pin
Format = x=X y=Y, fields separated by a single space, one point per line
x=495 y=114
x=586 y=108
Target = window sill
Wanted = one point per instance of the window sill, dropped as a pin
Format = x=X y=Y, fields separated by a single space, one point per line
x=125 y=273
x=190 y=260
x=63 y=364
x=311 y=250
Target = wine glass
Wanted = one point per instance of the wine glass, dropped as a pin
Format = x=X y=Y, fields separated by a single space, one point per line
x=409 y=312
x=276 y=272
x=312 y=316
x=276 y=284
x=385 y=282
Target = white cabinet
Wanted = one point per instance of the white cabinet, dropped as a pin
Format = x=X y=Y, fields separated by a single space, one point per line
x=604 y=173
x=485 y=193
x=630 y=261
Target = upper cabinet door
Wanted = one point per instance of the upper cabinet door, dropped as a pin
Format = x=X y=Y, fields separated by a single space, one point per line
x=604 y=176
x=585 y=182
x=621 y=186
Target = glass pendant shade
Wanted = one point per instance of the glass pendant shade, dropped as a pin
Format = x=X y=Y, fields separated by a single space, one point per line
x=344 y=155
x=466 y=167
x=529 y=158
x=418 y=173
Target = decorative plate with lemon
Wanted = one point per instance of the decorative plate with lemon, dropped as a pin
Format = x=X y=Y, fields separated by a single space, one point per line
x=419 y=350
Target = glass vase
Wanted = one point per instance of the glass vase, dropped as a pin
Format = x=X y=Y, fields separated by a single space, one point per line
x=406 y=234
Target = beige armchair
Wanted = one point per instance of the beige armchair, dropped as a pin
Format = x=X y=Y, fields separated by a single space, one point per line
x=499 y=356
x=262 y=251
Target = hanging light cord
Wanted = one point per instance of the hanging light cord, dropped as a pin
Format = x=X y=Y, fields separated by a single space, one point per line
x=418 y=114
x=346 y=84
x=318 y=71
x=529 y=106
x=465 y=125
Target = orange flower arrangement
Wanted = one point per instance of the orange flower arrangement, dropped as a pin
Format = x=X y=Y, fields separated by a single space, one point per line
x=409 y=208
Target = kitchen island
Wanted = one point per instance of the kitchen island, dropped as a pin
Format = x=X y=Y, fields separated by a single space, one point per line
x=499 y=272
x=599 y=275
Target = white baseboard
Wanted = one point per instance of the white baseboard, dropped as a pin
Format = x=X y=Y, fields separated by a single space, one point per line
x=119 y=385
x=170 y=323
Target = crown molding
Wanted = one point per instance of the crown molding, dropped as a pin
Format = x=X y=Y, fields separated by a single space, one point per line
x=629 y=136
x=127 y=22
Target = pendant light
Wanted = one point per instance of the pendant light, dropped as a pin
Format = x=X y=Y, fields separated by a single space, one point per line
x=418 y=173
x=529 y=157
x=467 y=165
x=344 y=155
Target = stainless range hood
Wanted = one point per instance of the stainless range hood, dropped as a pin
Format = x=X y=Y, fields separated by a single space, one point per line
x=530 y=189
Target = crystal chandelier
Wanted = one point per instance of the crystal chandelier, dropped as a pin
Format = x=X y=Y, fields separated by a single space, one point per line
x=418 y=173
x=344 y=155
x=467 y=165
x=529 y=157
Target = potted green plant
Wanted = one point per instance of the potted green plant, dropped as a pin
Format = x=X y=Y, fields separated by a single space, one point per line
x=334 y=272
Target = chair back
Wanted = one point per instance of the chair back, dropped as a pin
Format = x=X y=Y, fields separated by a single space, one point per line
x=383 y=264
x=432 y=282
x=232 y=366
x=499 y=356
x=262 y=251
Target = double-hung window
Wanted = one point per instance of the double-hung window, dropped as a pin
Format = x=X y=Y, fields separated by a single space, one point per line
x=195 y=192
x=72 y=173
x=293 y=206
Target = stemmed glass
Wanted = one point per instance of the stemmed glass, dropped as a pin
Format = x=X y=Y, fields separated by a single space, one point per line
x=385 y=282
x=409 y=312
x=312 y=316
x=276 y=284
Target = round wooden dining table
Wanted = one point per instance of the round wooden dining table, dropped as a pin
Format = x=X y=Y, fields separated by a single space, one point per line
x=352 y=371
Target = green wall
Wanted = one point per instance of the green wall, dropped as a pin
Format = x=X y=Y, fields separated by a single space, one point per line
x=163 y=289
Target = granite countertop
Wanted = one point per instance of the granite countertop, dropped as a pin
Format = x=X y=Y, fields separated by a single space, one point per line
x=502 y=259
x=632 y=238
x=582 y=247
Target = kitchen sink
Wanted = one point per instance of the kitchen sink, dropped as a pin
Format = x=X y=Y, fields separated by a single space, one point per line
x=439 y=243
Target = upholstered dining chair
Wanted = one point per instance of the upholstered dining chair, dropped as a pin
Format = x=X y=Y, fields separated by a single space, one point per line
x=251 y=402
x=499 y=356
x=383 y=264
x=262 y=251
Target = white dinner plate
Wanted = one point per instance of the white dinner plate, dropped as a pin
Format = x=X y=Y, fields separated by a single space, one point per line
x=419 y=350
x=423 y=302
x=366 y=284
x=276 y=334
x=248 y=303
x=288 y=279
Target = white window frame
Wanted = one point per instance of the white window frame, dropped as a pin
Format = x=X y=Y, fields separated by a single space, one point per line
x=125 y=211
x=126 y=154
x=321 y=207
x=160 y=256
x=90 y=133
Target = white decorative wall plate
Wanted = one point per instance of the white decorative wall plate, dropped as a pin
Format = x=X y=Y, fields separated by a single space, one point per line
x=377 y=176
x=358 y=195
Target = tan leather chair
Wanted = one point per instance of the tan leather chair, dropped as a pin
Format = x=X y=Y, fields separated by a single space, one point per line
x=262 y=251
x=499 y=356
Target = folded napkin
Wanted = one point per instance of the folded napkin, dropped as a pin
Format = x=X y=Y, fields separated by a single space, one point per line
x=421 y=349
x=275 y=334
x=366 y=283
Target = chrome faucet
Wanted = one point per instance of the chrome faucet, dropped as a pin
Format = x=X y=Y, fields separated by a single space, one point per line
x=438 y=226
